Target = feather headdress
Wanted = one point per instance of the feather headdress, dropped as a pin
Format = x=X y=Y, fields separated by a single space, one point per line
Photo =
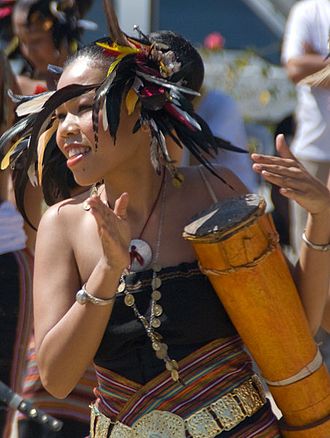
x=145 y=71
x=150 y=73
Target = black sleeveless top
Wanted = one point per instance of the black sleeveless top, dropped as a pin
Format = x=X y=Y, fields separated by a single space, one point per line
x=192 y=317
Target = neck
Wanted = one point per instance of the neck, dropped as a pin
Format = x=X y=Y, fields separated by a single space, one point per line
x=142 y=186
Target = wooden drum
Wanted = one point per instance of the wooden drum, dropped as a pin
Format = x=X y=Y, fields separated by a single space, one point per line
x=237 y=248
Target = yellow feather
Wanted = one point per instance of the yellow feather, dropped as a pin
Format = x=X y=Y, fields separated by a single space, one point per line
x=114 y=64
x=6 y=159
x=42 y=144
x=121 y=50
x=130 y=101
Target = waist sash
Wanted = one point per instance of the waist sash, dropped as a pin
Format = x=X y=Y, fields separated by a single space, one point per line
x=210 y=372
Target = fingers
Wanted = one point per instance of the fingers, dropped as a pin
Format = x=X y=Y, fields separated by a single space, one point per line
x=282 y=148
x=285 y=165
x=103 y=214
x=286 y=157
x=99 y=210
x=289 y=178
x=121 y=205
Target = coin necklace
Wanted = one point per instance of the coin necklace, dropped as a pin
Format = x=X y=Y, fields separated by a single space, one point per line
x=156 y=310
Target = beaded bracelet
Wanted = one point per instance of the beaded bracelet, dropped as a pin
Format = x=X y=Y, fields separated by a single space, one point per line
x=317 y=246
x=83 y=297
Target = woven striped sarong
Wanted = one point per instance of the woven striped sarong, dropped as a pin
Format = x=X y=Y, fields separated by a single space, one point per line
x=208 y=374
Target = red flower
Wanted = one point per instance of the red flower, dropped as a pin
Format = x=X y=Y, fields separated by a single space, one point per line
x=40 y=89
x=5 y=12
x=214 y=41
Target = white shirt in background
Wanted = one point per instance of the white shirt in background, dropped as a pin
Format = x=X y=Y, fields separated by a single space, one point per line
x=309 y=22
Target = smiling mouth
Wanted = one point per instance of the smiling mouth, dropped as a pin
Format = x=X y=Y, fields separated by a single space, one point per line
x=74 y=152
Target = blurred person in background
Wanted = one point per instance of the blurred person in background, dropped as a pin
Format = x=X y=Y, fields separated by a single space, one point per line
x=47 y=32
x=6 y=9
x=15 y=269
x=303 y=53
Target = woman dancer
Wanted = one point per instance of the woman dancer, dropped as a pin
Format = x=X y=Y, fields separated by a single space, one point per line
x=114 y=280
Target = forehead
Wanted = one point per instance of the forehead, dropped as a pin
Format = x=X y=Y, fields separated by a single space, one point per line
x=81 y=71
x=19 y=16
x=21 y=25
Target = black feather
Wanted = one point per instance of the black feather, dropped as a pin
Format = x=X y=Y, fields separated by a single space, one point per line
x=224 y=144
x=20 y=181
x=153 y=103
x=21 y=128
x=164 y=83
x=99 y=99
x=137 y=125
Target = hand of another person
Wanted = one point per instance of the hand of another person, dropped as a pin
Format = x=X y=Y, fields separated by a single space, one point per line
x=293 y=179
x=114 y=230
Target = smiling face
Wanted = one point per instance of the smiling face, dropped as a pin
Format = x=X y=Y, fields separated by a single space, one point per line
x=75 y=135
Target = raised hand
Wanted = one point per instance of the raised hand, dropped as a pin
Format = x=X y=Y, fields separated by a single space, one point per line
x=114 y=230
x=293 y=179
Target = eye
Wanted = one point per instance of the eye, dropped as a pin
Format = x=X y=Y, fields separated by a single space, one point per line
x=85 y=107
x=60 y=116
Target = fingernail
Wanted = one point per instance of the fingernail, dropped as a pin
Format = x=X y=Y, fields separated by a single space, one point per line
x=86 y=206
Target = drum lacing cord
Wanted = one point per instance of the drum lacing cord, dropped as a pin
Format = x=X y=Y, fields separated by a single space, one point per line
x=306 y=371
x=273 y=240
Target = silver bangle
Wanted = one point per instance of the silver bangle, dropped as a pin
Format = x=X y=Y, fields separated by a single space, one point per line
x=83 y=297
x=317 y=246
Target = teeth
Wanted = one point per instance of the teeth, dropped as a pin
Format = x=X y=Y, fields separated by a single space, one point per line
x=77 y=151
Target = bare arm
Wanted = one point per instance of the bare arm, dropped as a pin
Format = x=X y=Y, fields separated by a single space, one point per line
x=312 y=270
x=68 y=334
x=304 y=45
x=301 y=66
x=326 y=314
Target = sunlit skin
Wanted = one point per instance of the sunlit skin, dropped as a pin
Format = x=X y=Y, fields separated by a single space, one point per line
x=92 y=246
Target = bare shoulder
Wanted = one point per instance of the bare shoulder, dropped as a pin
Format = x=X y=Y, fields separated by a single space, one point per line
x=63 y=216
x=223 y=182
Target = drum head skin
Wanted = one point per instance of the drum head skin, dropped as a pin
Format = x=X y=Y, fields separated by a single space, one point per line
x=224 y=216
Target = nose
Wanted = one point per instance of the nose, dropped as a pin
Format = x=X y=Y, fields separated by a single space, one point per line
x=69 y=126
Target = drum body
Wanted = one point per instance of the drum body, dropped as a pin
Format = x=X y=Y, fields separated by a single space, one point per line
x=237 y=247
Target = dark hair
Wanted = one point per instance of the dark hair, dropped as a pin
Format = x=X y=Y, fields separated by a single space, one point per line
x=191 y=61
x=64 y=29
x=94 y=53
x=84 y=6
x=57 y=180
